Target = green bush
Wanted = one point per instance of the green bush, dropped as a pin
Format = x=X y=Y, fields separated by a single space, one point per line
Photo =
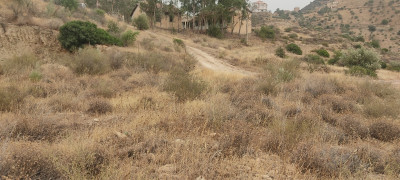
x=383 y=65
x=214 y=31
x=385 y=22
x=398 y=33
x=336 y=57
x=361 y=71
x=75 y=34
x=183 y=85
x=295 y=49
x=69 y=4
x=280 y=52
x=365 y=58
x=113 y=28
x=313 y=59
x=141 y=22
x=371 y=28
x=375 y=43
x=394 y=66
x=323 y=53
x=129 y=37
x=266 y=32
x=293 y=35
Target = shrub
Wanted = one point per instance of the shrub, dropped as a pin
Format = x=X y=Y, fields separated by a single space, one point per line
x=10 y=98
x=336 y=57
x=383 y=65
x=323 y=53
x=384 y=131
x=100 y=106
x=89 y=61
x=361 y=57
x=385 y=22
x=98 y=15
x=214 y=31
x=375 y=43
x=371 y=28
x=361 y=71
x=398 y=33
x=183 y=85
x=288 y=29
x=394 y=66
x=313 y=59
x=293 y=48
x=141 y=22
x=129 y=37
x=266 y=32
x=113 y=28
x=280 y=52
x=293 y=35
x=69 y=4
x=75 y=34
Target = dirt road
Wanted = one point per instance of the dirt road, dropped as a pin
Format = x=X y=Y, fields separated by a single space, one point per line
x=215 y=64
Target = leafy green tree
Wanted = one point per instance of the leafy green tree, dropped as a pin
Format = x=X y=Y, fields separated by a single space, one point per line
x=75 y=34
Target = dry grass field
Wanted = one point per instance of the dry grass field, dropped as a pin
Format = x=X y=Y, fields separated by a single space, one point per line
x=151 y=111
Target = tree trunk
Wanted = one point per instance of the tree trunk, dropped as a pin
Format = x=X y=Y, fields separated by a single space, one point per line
x=247 y=24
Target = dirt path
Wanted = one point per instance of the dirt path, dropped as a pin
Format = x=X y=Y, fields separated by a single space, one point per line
x=215 y=64
x=205 y=59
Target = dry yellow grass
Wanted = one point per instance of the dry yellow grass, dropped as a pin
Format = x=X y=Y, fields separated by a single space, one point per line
x=281 y=122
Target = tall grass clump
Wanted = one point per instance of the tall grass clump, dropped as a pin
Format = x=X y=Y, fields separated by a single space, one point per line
x=10 y=98
x=184 y=85
x=215 y=31
x=89 y=61
x=20 y=63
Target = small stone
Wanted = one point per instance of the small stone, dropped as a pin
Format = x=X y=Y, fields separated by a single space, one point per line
x=96 y=120
x=200 y=178
x=120 y=135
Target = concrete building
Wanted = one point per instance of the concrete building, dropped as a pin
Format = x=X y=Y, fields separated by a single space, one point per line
x=259 y=6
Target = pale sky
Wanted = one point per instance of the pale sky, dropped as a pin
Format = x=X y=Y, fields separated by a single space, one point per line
x=285 y=4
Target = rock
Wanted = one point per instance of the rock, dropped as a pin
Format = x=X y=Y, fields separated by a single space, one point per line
x=96 y=120
x=200 y=178
x=179 y=142
x=167 y=169
x=120 y=135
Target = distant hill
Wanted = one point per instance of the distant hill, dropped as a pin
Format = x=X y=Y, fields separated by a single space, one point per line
x=314 y=5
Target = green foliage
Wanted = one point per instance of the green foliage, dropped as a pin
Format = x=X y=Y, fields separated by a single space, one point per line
x=75 y=34
x=322 y=52
x=184 y=86
x=288 y=29
x=266 y=32
x=361 y=71
x=215 y=31
x=375 y=43
x=313 y=59
x=293 y=48
x=394 y=66
x=69 y=4
x=371 y=28
x=113 y=28
x=363 y=60
x=398 y=33
x=336 y=57
x=383 y=65
x=280 y=52
x=129 y=37
x=179 y=43
x=35 y=76
x=324 y=10
x=141 y=22
x=385 y=22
